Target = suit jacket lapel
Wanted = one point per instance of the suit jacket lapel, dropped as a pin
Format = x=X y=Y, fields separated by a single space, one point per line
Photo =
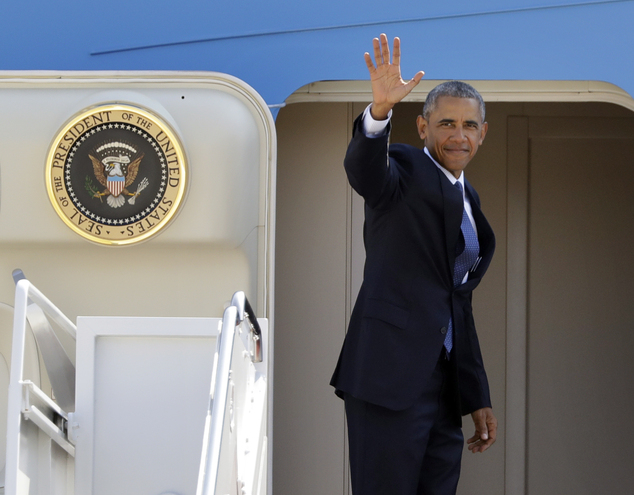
x=453 y=206
x=486 y=238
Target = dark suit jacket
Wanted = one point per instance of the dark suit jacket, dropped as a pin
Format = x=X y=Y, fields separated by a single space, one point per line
x=412 y=236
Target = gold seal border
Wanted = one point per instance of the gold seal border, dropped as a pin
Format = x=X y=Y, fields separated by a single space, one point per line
x=149 y=116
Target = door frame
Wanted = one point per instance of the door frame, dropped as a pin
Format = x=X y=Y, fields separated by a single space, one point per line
x=517 y=227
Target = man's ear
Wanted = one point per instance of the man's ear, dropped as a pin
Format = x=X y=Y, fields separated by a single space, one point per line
x=421 y=124
x=485 y=128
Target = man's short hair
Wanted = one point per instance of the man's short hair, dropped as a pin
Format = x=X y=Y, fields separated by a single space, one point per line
x=457 y=89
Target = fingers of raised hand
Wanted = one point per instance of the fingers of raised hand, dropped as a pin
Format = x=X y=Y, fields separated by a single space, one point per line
x=415 y=80
x=381 y=50
x=368 y=62
x=378 y=57
x=385 y=49
x=396 y=56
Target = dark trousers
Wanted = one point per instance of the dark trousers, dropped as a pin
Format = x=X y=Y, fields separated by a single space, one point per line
x=412 y=452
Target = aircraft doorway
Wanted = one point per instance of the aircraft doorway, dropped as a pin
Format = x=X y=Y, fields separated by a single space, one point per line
x=553 y=313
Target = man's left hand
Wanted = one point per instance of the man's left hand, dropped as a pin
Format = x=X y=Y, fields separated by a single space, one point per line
x=486 y=426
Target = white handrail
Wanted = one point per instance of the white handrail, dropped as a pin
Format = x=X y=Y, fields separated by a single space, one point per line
x=253 y=338
x=214 y=424
x=57 y=362
x=24 y=291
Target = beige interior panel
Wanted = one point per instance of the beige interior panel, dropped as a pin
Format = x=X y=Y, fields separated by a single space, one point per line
x=311 y=287
x=580 y=345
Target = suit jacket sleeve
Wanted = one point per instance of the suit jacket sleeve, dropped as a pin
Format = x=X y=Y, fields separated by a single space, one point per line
x=370 y=171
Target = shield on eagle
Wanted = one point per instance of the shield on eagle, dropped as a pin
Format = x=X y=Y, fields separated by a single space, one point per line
x=115 y=185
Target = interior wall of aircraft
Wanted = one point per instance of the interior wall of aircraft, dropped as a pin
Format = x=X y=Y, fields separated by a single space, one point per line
x=553 y=312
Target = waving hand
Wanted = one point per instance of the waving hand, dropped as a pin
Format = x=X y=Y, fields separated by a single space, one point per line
x=388 y=88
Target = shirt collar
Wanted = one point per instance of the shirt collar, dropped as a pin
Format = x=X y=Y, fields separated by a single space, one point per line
x=447 y=173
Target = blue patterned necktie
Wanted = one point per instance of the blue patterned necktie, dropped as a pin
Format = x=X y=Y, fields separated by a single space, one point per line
x=464 y=261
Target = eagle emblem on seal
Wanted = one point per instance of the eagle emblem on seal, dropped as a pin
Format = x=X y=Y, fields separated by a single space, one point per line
x=116 y=166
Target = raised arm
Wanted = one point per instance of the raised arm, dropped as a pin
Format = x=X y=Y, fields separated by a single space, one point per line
x=388 y=88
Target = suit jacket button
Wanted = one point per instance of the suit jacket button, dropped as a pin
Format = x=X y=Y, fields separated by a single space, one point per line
x=443 y=330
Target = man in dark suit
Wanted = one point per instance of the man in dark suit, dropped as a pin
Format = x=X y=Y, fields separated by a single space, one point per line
x=411 y=366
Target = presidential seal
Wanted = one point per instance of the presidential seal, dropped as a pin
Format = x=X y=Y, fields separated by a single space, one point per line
x=116 y=174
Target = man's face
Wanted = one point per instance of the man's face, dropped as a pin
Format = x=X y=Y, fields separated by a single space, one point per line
x=454 y=132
